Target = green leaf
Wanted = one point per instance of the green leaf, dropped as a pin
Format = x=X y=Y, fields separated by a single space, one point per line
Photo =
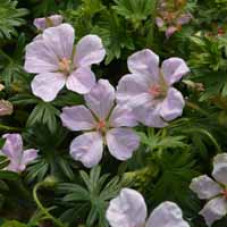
x=10 y=17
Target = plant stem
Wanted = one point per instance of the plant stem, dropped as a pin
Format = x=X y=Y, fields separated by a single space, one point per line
x=8 y=128
x=42 y=208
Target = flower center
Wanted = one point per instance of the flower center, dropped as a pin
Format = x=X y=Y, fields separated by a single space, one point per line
x=101 y=126
x=64 y=65
x=224 y=193
x=156 y=91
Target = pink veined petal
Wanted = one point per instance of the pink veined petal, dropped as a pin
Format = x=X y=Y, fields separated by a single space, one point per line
x=40 y=58
x=167 y=214
x=144 y=62
x=56 y=19
x=122 y=116
x=89 y=50
x=47 y=85
x=174 y=69
x=81 y=80
x=13 y=146
x=214 y=210
x=128 y=209
x=205 y=187
x=101 y=99
x=149 y=116
x=87 y=148
x=77 y=118
x=131 y=86
x=60 y=39
x=122 y=142
x=172 y=106
x=220 y=168
x=40 y=23
x=159 y=22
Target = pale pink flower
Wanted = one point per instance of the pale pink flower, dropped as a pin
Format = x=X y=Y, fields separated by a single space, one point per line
x=129 y=209
x=148 y=89
x=104 y=123
x=57 y=62
x=13 y=149
x=46 y=22
x=215 y=191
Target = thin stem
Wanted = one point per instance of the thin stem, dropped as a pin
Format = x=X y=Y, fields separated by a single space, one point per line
x=8 y=128
x=42 y=208
x=196 y=107
x=6 y=56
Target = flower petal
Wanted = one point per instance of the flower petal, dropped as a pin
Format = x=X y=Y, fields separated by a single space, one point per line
x=87 y=148
x=101 y=99
x=174 y=69
x=205 y=187
x=149 y=116
x=47 y=85
x=45 y=22
x=131 y=86
x=172 y=106
x=160 y=22
x=60 y=39
x=81 y=81
x=89 y=50
x=40 y=58
x=214 y=210
x=77 y=118
x=170 y=31
x=144 y=62
x=122 y=142
x=13 y=146
x=28 y=156
x=167 y=214
x=220 y=168
x=122 y=116
x=128 y=209
x=184 y=19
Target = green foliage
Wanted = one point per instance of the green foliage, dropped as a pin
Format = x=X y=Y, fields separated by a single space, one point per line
x=91 y=199
x=10 y=17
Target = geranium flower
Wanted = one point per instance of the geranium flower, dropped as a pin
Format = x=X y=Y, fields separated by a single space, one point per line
x=171 y=23
x=215 y=191
x=129 y=209
x=46 y=22
x=57 y=62
x=13 y=149
x=106 y=125
x=148 y=89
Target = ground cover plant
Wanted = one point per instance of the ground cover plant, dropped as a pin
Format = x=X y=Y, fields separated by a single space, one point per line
x=113 y=113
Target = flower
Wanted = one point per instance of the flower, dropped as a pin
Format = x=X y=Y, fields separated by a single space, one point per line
x=6 y=108
x=57 y=62
x=107 y=125
x=213 y=191
x=13 y=149
x=45 y=22
x=148 y=90
x=129 y=209
x=172 y=23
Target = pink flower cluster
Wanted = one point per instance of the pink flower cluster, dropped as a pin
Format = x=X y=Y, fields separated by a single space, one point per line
x=145 y=95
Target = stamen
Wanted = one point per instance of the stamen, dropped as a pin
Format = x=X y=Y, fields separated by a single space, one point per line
x=64 y=65
x=155 y=91
x=101 y=125
x=224 y=193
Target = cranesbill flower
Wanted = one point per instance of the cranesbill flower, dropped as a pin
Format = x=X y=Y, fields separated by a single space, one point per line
x=171 y=23
x=129 y=209
x=215 y=191
x=46 y=22
x=57 y=62
x=148 y=89
x=104 y=123
x=13 y=149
